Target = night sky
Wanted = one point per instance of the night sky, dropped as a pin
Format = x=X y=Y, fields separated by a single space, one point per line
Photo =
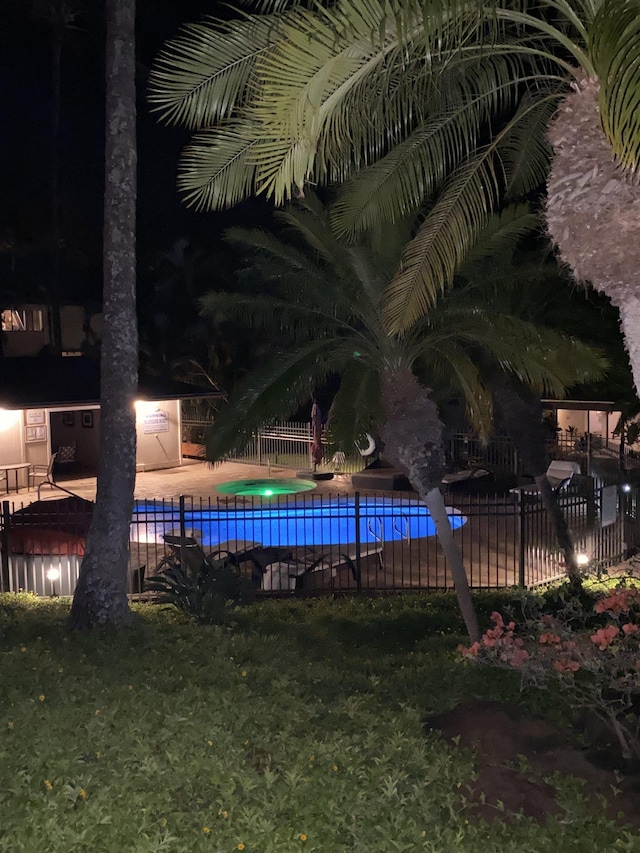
x=26 y=149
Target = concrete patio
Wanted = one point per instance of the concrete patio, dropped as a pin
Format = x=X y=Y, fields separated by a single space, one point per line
x=193 y=478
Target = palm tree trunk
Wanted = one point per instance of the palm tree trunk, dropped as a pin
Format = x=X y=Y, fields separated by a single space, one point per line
x=521 y=416
x=412 y=436
x=101 y=593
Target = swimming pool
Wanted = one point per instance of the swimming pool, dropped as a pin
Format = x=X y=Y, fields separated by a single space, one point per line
x=266 y=488
x=327 y=522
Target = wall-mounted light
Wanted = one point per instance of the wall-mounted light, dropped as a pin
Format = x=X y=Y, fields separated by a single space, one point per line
x=9 y=418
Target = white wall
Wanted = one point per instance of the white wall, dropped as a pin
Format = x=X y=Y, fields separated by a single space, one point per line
x=158 y=449
x=11 y=437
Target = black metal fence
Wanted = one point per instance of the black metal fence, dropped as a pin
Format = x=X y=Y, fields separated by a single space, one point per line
x=314 y=543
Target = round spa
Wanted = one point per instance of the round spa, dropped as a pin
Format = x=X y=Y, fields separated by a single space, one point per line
x=265 y=488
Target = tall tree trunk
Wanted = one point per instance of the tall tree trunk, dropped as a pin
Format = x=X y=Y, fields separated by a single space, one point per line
x=101 y=592
x=412 y=436
x=521 y=416
x=592 y=208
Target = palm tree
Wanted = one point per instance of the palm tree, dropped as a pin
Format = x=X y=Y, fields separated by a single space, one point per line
x=445 y=103
x=101 y=593
x=329 y=316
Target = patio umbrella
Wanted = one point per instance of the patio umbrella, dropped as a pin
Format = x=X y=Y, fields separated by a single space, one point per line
x=316 y=435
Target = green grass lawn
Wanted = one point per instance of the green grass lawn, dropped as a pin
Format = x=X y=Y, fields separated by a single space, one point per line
x=295 y=728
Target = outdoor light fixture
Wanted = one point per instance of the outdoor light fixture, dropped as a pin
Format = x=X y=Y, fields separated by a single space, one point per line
x=626 y=487
x=582 y=559
x=52 y=576
x=9 y=419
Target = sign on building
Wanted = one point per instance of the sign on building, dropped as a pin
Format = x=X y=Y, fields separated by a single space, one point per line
x=155 y=422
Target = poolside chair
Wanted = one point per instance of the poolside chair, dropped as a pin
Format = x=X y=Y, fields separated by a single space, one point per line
x=559 y=474
x=347 y=555
x=467 y=475
x=42 y=475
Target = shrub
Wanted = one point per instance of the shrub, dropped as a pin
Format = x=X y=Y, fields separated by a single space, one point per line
x=202 y=588
x=596 y=664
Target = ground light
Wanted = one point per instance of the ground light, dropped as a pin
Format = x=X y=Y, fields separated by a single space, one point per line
x=52 y=576
x=582 y=559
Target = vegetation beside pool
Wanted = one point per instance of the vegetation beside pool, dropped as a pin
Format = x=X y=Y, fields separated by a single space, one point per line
x=295 y=727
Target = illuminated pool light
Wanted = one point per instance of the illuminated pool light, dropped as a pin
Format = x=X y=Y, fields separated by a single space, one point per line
x=265 y=488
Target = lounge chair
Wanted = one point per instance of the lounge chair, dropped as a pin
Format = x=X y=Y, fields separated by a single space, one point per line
x=466 y=475
x=347 y=555
x=559 y=474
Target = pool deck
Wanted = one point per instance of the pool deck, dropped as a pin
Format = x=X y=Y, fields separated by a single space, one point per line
x=193 y=478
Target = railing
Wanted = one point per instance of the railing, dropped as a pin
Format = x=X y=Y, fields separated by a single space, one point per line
x=288 y=446
x=340 y=542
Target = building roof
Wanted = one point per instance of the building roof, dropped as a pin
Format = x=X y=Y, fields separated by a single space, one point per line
x=49 y=381
x=582 y=405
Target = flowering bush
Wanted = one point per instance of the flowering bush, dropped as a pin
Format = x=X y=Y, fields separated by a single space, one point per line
x=596 y=666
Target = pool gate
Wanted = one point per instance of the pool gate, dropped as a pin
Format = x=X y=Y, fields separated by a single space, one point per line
x=314 y=543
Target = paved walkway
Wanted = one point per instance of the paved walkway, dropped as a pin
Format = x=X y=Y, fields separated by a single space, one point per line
x=197 y=479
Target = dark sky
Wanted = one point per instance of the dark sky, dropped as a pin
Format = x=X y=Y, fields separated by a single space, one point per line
x=26 y=150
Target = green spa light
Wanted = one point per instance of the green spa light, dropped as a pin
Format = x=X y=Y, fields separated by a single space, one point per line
x=265 y=488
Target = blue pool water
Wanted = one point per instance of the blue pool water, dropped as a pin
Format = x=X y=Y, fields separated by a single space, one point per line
x=329 y=522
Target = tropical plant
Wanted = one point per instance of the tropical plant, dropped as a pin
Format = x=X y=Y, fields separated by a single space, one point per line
x=101 y=593
x=198 y=587
x=329 y=313
x=412 y=102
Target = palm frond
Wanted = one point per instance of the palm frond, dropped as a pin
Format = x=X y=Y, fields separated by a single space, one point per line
x=465 y=375
x=525 y=154
x=202 y=75
x=615 y=48
x=218 y=168
x=502 y=232
x=441 y=244
x=357 y=404
x=275 y=314
x=275 y=390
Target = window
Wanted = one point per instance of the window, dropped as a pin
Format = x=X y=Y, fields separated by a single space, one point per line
x=22 y=320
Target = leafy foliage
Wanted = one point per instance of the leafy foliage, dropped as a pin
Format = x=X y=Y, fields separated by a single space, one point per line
x=441 y=108
x=199 y=587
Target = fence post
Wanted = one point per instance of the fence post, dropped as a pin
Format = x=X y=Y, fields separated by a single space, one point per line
x=259 y=447
x=356 y=505
x=183 y=533
x=521 y=543
x=5 y=584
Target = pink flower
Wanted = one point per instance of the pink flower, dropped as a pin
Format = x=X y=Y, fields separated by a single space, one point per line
x=566 y=665
x=603 y=637
x=497 y=618
x=518 y=657
x=617 y=601
x=470 y=652
x=548 y=639
x=630 y=628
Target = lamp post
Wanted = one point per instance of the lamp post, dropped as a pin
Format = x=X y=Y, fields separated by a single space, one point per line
x=52 y=576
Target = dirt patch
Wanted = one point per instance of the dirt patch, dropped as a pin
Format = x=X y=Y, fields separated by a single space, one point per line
x=516 y=754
